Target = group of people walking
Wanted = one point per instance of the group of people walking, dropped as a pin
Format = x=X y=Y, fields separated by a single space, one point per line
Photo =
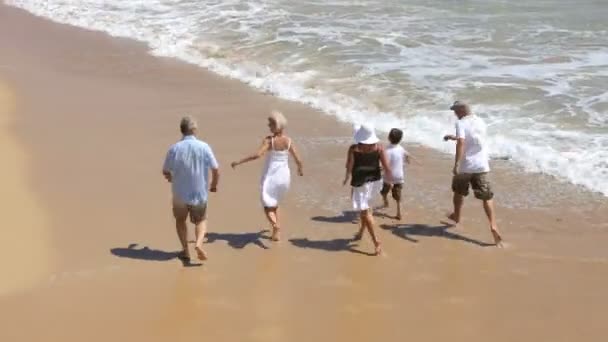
x=371 y=168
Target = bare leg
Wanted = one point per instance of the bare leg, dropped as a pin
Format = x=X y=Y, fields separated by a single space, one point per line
x=271 y=216
x=488 y=206
x=369 y=223
x=384 y=201
x=182 y=234
x=277 y=227
x=398 y=217
x=200 y=230
x=458 y=202
x=359 y=234
x=356 y=219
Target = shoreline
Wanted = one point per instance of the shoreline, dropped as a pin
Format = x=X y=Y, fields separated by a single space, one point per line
x=96 y=116
x=563 y=169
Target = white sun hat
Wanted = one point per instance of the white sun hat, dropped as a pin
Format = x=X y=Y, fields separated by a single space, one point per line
x=356 y=128
x=365 y=135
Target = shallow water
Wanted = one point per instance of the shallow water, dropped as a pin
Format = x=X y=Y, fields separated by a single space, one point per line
x=535 y=71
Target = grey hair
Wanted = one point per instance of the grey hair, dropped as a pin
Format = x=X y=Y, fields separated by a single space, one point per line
x=279 y=119
x=187 y=125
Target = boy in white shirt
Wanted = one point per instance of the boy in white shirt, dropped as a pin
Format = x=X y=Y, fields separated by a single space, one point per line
x=397 y=158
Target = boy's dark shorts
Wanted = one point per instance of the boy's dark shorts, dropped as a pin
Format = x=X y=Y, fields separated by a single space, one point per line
x=479 y=183
x=396 y=190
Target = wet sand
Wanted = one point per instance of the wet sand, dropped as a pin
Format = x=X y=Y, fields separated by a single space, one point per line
x=92 y=119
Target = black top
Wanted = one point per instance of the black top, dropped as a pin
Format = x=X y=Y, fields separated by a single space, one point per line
x=366 y=168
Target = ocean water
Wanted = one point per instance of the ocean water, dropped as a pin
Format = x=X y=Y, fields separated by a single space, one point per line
x=536 y=71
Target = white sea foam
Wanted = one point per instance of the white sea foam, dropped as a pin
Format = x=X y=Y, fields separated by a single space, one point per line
x=540 y=87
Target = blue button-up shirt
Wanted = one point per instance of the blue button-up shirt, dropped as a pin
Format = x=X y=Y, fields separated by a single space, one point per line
x=189 y=162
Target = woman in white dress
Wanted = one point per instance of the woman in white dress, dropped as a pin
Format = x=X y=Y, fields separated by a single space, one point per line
x=276 y=176
x=363 y=168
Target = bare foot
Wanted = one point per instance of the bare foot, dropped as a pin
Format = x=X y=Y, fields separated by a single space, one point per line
x=497 y=237
x=454 y=218
x=184 y=255
x=200 y=253
x=379 y=250
x=276 y=234
x=358 y=236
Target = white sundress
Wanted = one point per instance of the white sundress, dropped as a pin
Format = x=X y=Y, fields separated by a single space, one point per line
x=276 y=176
x=363 y=195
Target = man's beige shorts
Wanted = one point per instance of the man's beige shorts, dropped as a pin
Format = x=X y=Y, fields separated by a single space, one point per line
x=197 y=213
x=479 y=183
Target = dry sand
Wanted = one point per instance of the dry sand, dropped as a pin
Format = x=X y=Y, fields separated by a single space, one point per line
x=25 y=256
x=94 y=258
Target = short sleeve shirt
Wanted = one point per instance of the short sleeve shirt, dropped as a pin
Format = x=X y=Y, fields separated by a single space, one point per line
x=395 y=155
x=189 y=162
x=472 y=129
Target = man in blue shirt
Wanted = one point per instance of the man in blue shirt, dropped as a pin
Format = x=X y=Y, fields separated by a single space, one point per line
x=187 y=168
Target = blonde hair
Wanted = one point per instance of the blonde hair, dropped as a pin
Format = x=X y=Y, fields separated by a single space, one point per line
x=279 y=119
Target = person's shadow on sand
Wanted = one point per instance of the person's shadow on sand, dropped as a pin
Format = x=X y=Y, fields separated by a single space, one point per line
x=239 y=240
x=146 y=253
x=334 y=245
x=344 y=217
x=405 y=231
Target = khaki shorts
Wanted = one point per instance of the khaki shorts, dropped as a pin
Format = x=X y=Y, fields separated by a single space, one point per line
x=197 y=213
x=395 y=189
x=478 y=181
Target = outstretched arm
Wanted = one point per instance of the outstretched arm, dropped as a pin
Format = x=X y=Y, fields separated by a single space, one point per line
x=260 y=152
x=296 y=157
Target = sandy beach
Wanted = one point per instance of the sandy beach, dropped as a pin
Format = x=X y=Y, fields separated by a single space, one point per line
x=18 y=202
x=89 y=247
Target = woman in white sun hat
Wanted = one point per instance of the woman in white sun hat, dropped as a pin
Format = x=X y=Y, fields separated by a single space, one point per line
x=364 y=169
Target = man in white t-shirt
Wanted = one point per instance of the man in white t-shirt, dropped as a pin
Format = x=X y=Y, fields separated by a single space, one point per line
x=471 y=165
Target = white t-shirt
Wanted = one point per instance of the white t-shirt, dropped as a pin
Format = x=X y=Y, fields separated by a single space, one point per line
x=472 y=129
x=395 y=155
